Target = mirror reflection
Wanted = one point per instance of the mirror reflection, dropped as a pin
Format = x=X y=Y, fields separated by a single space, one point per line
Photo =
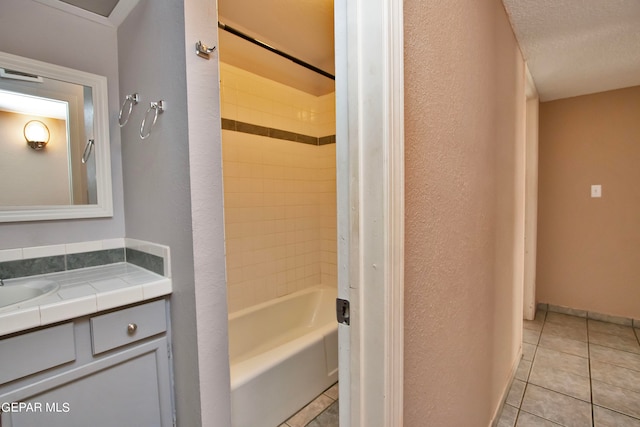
x=45 y=125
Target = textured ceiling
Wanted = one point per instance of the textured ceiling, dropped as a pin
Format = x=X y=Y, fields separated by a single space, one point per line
x=302 y=28
x=577 y=47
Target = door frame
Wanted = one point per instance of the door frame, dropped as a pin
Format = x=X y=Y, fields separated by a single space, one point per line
x=531 y=197
x=370 y=198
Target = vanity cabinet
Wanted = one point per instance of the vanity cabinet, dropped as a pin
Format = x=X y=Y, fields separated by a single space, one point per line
x=110 y=369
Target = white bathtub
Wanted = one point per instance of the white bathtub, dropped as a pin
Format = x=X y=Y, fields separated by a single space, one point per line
x=283 y=354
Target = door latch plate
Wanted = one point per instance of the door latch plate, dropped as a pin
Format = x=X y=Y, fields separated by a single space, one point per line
x=342 y=311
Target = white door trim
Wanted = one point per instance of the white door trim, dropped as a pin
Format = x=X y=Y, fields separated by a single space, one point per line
x=531 y=197
x=370 y=134
x=394 y=241
x=347 y=213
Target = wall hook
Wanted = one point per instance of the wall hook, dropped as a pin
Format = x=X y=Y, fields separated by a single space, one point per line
x=203 y=51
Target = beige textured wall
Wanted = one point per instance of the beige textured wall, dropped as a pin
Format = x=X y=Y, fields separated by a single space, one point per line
x=464 y=124
x=279 y=196
x=588 y=249
x=29 y=177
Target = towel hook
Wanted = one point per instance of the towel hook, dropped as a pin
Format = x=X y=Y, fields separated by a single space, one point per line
x=129 y=100
x=204 y=51
x=87 y=151
x=155 y=108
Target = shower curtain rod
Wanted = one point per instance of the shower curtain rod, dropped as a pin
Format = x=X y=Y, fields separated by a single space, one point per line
x=274 y=50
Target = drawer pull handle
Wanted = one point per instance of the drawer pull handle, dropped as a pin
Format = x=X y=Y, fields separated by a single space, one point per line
x=132 y=328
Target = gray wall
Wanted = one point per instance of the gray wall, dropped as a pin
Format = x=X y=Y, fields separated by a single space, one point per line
x=158 y=197
x=146 y=54
x=40 y=32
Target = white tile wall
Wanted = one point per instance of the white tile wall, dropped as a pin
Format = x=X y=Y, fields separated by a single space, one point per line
x=280 y=196
x=249 y=98
x=328 y=218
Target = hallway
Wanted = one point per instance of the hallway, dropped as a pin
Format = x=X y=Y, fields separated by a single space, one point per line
x=575 y=372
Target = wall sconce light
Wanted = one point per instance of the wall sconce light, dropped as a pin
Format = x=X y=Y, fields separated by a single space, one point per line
x=37 y=134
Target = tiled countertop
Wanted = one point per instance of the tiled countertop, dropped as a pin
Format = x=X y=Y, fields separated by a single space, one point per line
x=82 y=292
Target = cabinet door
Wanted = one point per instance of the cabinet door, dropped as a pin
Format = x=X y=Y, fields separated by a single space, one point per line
x=129 y=388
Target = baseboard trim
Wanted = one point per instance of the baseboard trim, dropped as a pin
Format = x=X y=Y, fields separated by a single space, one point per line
x=619 y=320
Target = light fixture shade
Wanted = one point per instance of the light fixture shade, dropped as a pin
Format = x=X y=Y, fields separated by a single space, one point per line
x=37 y=134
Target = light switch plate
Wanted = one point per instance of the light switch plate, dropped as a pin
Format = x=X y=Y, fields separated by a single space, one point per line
x=596 y=191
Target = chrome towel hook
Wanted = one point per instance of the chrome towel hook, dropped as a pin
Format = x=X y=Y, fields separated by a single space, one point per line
x=204 y=51
x=87 y=151
x=129 y=102
x=155 y=108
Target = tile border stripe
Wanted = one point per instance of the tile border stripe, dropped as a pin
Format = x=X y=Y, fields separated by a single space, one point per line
x=32 y=266
x=145 y=260
x=244 y=127
x=66 y=262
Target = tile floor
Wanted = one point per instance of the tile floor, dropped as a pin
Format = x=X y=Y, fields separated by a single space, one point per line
x=321 y=412
x=575 y=372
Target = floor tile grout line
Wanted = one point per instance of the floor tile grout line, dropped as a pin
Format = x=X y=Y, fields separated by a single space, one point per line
x=323 y=411
x=554 y=391
x=606 y=362
x=617 y=349
x=617 y=412
x=527 y=383
x=605 y=382
x=285 y=423
x=593 y=415
x=559 y=392
x=565 y=352
x=543 y=418
x=519 y=409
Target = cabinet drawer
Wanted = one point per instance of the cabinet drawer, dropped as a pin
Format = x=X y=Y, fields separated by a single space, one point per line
x=126 y=326
x=36 y=351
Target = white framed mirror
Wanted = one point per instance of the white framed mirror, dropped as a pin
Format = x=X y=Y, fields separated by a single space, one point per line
x=62 y=171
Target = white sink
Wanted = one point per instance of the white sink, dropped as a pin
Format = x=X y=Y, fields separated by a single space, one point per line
x=14 y=294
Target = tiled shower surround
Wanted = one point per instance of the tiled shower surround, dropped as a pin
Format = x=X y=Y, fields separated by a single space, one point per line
x=279 y=188
x=249 y=98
